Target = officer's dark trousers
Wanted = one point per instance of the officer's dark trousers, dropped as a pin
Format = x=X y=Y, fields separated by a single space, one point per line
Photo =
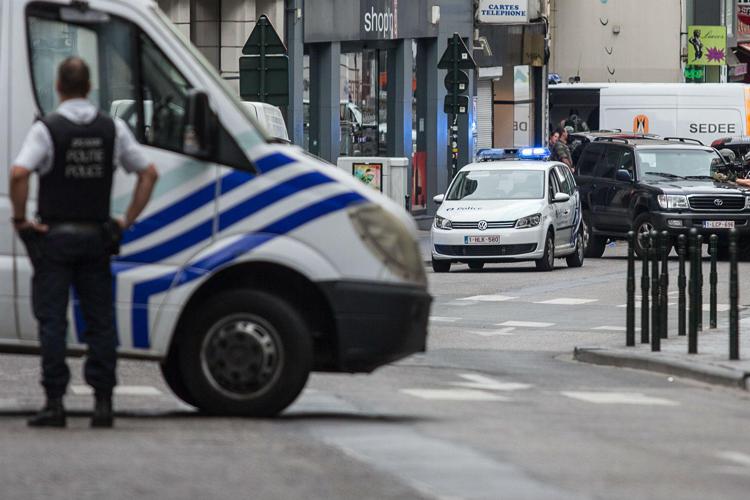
x=73 y=255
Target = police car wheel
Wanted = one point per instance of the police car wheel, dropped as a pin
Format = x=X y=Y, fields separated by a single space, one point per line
x=547 y=262
x=441 y=266
x=246 y=353
x=576 y=258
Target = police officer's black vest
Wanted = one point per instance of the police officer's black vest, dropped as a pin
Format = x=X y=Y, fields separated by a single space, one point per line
x=79 y=186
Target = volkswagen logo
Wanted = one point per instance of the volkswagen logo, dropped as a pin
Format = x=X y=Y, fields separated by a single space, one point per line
x=718 y=202
x=482 y=225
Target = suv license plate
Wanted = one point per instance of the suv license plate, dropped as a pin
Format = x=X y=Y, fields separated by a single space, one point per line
x=718 y=224
x=481 y=240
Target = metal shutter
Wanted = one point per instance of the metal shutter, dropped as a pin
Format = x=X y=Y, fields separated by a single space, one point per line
x=484 y=114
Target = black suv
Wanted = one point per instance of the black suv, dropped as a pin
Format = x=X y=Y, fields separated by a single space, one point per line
x=667 y=184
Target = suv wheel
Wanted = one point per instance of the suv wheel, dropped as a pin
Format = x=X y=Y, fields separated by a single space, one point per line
x=642 y=227
x=547 y=262
x=593 y=245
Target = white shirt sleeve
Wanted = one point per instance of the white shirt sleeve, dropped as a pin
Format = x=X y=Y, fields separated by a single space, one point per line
x=128 y=153
x=37 y=150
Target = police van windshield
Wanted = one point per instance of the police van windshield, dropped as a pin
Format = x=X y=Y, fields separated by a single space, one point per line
x=679 y=163
x=498 y=185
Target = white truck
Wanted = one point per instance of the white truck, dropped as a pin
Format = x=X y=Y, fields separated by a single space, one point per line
x=703 y=111
x=253 y=264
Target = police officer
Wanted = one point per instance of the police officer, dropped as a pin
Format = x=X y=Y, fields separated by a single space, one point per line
x=560 y=151
x=74 y=151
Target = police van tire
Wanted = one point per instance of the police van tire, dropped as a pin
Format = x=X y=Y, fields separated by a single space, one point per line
x=595 y=245
x=441 y=266
x=170 y=370
x=547 y=262
x=246 y=353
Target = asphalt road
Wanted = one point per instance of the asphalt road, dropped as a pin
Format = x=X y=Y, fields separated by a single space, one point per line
x=495 y=409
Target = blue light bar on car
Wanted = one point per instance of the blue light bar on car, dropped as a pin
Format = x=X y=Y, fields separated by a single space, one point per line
x=533 y=153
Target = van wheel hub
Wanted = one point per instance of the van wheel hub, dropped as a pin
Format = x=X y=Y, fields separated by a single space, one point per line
x=240 y=356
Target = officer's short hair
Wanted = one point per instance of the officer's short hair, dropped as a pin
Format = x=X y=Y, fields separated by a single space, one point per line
x=73 y=77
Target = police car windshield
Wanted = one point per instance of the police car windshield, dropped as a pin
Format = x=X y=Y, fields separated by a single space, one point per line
x=498 y=185
x=678 y=163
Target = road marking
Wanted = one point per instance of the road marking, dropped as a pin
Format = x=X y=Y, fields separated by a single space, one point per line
x=120 y=390
x=736 y=457
x=619 y=398
x=526 y=324
x=489 y=298
x=719 y=307
x=482 y=382
x=443 y=319
x=611 y=328
x=503 y=332
x=453 y=395
x=460 y=303
x=567 y=301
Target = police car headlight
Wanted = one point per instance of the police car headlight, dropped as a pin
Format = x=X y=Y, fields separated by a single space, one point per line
x=442 y=223
x=672 y=201
x=390 y=241
x=530 y=221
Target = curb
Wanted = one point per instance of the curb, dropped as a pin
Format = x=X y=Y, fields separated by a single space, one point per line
x=709 y=374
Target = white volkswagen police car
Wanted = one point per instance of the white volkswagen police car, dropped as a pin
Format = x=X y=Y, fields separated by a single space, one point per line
x=512 y=205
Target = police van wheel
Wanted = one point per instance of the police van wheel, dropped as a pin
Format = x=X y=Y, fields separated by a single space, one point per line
x=170 y=370
x=246 y=353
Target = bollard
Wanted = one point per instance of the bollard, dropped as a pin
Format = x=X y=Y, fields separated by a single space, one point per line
x=644 y=291
x=693 y=289
x=655 y=293
x=699 y=258
x=630 y=319
x=664 y=284
x=681 y=282
x=734 y=326
x=713 y=248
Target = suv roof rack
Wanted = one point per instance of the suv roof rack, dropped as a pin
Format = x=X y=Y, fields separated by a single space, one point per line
x=612 y=139
x=684 y=140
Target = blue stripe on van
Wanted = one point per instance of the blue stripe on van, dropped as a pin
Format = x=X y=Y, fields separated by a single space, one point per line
x=273 y=161
x=143 y=291
x=204 y=230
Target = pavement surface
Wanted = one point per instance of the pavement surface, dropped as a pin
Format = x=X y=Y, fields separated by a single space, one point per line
x=496 y=408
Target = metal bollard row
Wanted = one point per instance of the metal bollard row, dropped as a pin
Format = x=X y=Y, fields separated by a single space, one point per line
x=655 y=289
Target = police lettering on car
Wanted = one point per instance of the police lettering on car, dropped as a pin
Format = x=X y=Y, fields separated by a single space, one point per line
x=74 y=151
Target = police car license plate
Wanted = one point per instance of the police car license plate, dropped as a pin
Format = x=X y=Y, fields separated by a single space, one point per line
x=481 y=240
x=718 y=224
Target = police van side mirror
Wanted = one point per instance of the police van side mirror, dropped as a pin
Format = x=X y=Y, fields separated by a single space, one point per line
x=201 y=126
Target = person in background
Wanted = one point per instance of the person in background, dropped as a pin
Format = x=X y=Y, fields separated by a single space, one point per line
x=560 y=151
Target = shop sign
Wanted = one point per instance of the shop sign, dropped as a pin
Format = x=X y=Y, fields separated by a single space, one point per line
x=743 y=18
x=693 y=73
x=503 y=12
x=707 y=45
x=378 y=19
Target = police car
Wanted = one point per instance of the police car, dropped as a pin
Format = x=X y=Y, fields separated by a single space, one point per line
x=511 y=205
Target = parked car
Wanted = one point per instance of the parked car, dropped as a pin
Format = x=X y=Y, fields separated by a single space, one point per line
x=520 y=208
x=646 y=184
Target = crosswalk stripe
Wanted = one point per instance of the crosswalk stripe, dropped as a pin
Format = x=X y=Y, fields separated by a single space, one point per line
x=503 y=332
x=622 y=398
x=454 y=395
x=120 y=390
x=489 y=298
x=567 y=301
x=735 y=456
x=526 y=324
x=443 y=319
x=477 y=381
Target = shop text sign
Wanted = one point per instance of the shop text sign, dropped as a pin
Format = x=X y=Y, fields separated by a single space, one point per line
x=378 y=19
x=503 y=12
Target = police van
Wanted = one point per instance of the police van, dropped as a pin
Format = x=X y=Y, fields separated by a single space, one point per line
x=253 y=265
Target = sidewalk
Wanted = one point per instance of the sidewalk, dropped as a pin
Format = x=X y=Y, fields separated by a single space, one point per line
x=710 y=365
